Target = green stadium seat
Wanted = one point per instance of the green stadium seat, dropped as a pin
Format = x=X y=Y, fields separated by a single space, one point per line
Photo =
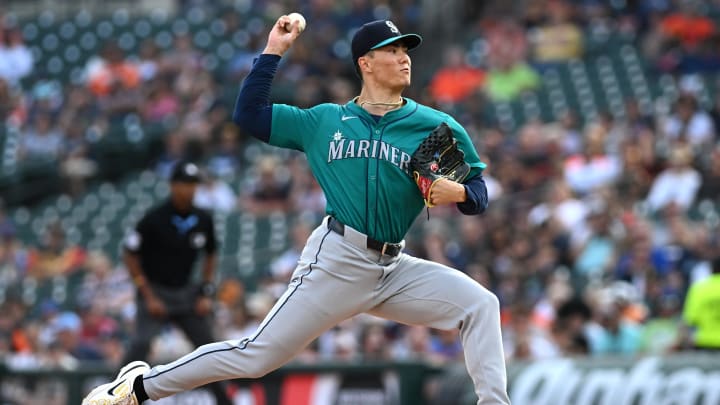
x=30 y=32
x=105 y=30
x=127 y=41
x=142 y=28
x=67 y=31
x=217 y=28
x=202 y=39
x=50 y=42
x=180 y=26
x=163 y=39
x=121 y=17
x=89 y=42
x=531 y=106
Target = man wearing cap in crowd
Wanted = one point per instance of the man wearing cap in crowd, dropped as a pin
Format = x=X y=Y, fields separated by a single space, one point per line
x=160 y=254
x=353 y=262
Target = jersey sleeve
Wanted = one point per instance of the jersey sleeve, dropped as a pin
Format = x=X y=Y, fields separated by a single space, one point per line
x=465 y=144
x=292 y=126
x=135 y=239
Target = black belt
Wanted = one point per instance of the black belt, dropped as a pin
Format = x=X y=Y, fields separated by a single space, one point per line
x=390 y=249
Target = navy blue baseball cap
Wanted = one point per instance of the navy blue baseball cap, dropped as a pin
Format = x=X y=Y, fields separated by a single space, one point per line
x=185 y=172
x=376 y=34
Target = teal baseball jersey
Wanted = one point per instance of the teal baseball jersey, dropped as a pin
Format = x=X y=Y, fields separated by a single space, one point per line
x=362 y=164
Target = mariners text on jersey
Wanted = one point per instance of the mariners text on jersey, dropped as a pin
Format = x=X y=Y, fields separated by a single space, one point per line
x=341 y=148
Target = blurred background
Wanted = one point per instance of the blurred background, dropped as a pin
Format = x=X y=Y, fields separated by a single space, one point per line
x=597 y=118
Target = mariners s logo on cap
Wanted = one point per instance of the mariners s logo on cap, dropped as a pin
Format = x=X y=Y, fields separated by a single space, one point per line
x=392 y=26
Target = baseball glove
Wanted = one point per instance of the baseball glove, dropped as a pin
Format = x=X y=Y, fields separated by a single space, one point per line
x=437 y=157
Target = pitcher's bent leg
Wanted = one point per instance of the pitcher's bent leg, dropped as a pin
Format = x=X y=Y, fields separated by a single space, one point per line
x=320 y=295
x=420 y=292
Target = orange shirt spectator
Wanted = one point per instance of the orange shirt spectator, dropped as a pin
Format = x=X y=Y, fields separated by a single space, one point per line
x=111 y=69
x=452 y=84
x=690 y=29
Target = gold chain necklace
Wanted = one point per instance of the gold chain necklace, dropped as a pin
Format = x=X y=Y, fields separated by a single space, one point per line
x=395 y=104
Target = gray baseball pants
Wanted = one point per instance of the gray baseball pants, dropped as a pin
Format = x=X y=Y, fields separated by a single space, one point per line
x=338 y=277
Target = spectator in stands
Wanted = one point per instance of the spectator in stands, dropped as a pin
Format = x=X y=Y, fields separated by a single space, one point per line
x=307 y=196
x=43 y=141
x=434 y=244
x=46 y=98
x=641 y=263
x=523 y=340
x=270 y=188
x=173 y=152
x=54 y=256
x=508 y=74
x=161 y=102
x=111 y=71
x=225 y=159
x=215 y=194
x=594 y=168
x=67 y=328
x=77 y=167
x=148 y=63
x=678 y=184
x=282 y=267
x=13 y=256
x=181 y=57
x=445 y=346
x=559 y=38
x=118 y=102
x=413 y=343
x=569 y=328
x=106 y=287
x=561 y=207
x=636 y=121
x=456 y=79
x=688 y=25
x=536 y=154
x=594 y=248
x=710 y=182
x=96 y=323
x=200 y=97
x=700 y=311
x=508 y=80
x=373 y=342
x=688 y=123
x=16 y=60
x=661 y=333
x=612 y=334
x=9 y=101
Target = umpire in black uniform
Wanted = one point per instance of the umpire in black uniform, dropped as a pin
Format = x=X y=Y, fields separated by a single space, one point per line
x=160 y=255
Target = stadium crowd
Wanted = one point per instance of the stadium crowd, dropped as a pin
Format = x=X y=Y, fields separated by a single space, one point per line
x=596 y=226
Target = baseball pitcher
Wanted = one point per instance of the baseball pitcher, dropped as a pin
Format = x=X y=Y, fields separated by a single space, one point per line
x=380 y=159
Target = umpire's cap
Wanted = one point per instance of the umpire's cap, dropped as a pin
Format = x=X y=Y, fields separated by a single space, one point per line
x=185 y=172
x=377 y=34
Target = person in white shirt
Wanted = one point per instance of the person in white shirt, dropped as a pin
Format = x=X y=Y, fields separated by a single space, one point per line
x=215 y=194
x=16 y=60
x=595 y=168
x=678 y=184
x=689 y=123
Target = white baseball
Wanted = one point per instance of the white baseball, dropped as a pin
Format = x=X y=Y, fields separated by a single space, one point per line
x=300 y=19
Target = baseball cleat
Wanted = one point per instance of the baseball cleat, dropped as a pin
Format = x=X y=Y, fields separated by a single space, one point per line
x=120 y=390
